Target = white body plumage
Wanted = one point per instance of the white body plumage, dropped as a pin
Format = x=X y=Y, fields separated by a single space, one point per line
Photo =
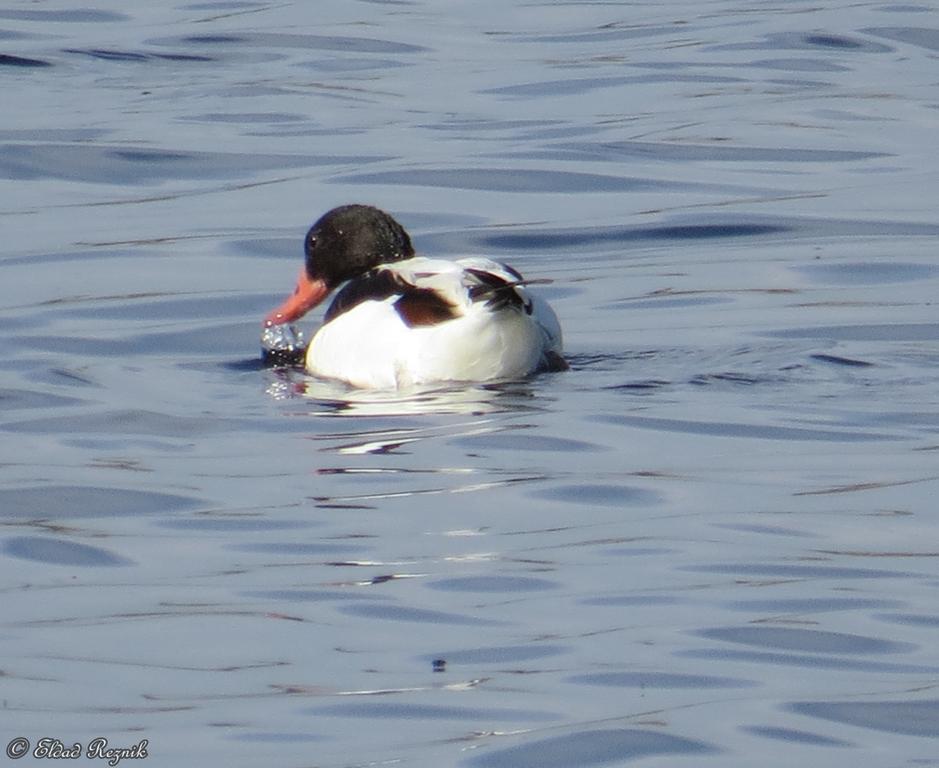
x=489 y=336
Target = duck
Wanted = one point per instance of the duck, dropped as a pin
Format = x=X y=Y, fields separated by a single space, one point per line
x=399 y=320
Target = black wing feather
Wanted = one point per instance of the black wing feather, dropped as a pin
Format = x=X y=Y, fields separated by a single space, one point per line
x=496 y=291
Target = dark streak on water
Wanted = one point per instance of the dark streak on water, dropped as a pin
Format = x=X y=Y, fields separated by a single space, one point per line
x=6 y=60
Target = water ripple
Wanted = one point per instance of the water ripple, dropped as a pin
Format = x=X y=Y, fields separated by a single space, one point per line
x=135 y=166
x=913 y=718
x=751 y=431
x=656 y=680
x=516 y=180
x=592 y=747
x=805 y=640
x=52 y=551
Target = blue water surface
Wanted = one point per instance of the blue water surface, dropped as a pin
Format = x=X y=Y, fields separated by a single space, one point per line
x=712 y=542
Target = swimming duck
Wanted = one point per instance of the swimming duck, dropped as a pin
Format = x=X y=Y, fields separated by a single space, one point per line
x=399 y=319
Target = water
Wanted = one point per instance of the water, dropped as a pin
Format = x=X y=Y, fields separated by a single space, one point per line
x=711 y=542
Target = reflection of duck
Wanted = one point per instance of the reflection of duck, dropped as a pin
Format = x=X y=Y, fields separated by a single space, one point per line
x=330 y=398
x=402 y=319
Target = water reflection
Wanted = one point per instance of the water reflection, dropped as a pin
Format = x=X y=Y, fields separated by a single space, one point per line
x=335 y=399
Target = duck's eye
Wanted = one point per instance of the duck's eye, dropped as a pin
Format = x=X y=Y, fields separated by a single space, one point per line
x=311 y=241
